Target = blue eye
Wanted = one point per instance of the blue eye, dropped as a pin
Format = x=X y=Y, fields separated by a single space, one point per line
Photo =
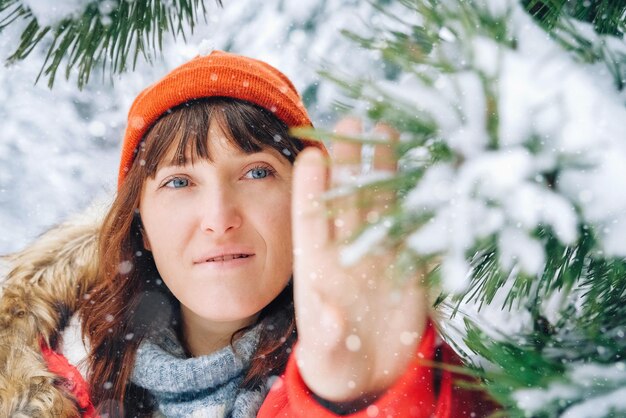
x=177 y=183
x=259 y=173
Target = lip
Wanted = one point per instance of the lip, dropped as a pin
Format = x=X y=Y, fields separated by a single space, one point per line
x=223 y=266
x=224 y=251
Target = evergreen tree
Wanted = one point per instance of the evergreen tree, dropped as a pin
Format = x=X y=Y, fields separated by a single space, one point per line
x=514 y=155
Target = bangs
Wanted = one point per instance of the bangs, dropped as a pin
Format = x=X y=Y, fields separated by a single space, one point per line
x=181 y=135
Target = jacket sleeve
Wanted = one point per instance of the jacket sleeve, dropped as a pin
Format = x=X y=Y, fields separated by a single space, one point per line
x=413 y=395
x=44 y=286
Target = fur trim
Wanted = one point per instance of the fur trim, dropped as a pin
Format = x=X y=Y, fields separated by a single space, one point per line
x=28 y=389
x=44 y=285
x=73 y=347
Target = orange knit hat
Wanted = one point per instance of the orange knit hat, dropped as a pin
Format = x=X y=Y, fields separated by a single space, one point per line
x=218 y=74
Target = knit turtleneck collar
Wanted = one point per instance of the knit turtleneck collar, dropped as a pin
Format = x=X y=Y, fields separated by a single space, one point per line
x=206 y=386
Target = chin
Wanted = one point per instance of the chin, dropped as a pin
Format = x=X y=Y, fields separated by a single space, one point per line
x=221 y=314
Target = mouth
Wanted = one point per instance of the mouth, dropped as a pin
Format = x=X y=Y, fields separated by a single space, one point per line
x=227 y=261
x=227 y=257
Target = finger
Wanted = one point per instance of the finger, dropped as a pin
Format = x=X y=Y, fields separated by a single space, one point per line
x=310 y=222
x=384 y=161
x=346 y=166
x=384 y=155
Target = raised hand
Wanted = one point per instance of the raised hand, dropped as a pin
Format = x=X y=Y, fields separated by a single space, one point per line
x=358 y=328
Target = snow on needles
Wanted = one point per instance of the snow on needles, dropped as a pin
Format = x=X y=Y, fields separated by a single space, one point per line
x=50 y=13
x=555 y=158
x=590 y=395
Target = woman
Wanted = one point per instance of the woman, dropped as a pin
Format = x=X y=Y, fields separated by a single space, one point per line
x=218 y=227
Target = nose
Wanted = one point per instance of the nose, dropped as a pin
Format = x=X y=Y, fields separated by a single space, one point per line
x=220 y=211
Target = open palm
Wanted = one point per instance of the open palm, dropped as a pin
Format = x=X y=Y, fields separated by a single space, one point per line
x=358 y=329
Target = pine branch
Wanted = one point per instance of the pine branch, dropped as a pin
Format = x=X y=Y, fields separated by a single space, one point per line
x=565 y=21
x=441 y=48
x=454 y=75
x=577 y=363
x=606 y=16
x=113 y=39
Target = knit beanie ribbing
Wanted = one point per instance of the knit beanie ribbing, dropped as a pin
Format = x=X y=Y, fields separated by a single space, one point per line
x=218 y=74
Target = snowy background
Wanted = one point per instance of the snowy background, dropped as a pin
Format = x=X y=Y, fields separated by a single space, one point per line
x=59 y=148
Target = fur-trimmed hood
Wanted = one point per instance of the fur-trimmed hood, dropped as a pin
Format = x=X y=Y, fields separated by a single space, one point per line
x=42 y=287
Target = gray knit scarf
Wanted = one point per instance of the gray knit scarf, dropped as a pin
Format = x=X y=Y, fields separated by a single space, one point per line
x=199 y=387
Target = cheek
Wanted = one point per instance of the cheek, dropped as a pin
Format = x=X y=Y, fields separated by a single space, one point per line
x=164 y=235
x=277 y=231
x=155 y=228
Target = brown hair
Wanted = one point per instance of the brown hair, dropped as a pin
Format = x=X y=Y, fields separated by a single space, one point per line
x=131 y=302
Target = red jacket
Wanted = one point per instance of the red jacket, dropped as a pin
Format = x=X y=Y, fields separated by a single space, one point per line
x=414 y=395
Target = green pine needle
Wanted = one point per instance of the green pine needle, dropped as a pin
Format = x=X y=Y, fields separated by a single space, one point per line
x=116 y=41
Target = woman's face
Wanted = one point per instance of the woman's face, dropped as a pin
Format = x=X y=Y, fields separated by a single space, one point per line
x=220 y=232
